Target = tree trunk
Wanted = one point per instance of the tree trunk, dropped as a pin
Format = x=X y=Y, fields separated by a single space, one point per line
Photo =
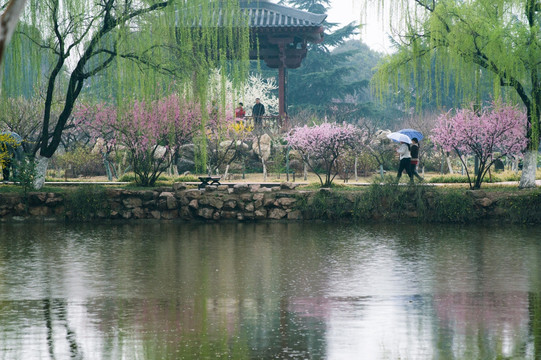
x=8 y=23
x=356 y=174
x=226 y=173
x=449 y=164
x=264 y=169
x=529 y=167
x=42 y=163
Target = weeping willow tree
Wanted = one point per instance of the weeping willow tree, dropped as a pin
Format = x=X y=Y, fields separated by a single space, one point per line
x=9 y=16
x=470 y=41
x=143 y=49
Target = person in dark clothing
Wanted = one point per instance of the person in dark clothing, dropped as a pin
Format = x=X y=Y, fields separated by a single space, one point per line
x=257 y=112
x=414 y=150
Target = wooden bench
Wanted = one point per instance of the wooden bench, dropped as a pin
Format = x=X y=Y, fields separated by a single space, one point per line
x=205 y=181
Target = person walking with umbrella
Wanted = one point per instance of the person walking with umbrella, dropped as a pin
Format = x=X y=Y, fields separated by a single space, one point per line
x=404 y=154
x=405 y=161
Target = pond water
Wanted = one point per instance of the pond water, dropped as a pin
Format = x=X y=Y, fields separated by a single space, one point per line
x=269 y=291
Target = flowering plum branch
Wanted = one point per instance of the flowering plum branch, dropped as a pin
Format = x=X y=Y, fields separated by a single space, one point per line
x=491 y=135
x=324 y=144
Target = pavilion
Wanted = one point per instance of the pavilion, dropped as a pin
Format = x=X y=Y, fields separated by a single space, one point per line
x=282 y=34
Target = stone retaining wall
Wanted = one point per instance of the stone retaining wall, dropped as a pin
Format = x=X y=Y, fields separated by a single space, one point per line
x=240 y=203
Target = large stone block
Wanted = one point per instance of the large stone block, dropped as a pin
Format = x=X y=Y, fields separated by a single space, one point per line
x=179 y=186
x=240 y=188
x=194 y=204
x=193 y=194
x=147 y=195
x=484 y=202
x=138 y=213
x=277 y=214
x=36 y=198
x=285 y=202
x=169 y=214
x=294 y=215
x=132 y=202
x=38 y=211
x=229 y=215
x=246 y=197
x=254 y=187
x=288 y=186
x=171 y=203
x=54 y=201
x=230 y=204
x=260 y=214
x=216 y=203
x=205 y=213
x=268 y=202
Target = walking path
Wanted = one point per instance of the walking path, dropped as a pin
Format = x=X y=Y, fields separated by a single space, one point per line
x=270 y=184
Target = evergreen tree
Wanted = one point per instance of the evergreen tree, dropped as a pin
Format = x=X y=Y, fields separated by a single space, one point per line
x=322 y=76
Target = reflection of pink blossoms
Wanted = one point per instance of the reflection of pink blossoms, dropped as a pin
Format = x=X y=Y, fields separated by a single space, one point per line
x=493 y=134
x=324 y=143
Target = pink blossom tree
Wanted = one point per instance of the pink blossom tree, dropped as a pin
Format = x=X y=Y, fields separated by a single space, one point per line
x=152 y=132
x=323 y=145
x=494 y=133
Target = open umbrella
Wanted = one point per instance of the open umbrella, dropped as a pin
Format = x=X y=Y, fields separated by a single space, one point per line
x=412 y=134
x=398 y=137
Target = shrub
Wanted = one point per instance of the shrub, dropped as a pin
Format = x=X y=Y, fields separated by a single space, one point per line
x=449 y=205
x=130 y=177
x=393 y=202
x=187 y=178
x=457 y=179
x=83 y=162
x=325 y=205
x=524 y=209
x=26 y=174
x=85 y=202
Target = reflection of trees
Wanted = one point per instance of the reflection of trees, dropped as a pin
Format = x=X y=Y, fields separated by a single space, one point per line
x=481 y=299
x=58 y=307
x=267 y=290
x=483 y=325
x=535 y=323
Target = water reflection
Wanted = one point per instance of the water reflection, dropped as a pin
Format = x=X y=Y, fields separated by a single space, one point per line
x=265 y=291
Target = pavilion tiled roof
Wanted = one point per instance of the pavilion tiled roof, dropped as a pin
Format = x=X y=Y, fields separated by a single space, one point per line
x=264 y=14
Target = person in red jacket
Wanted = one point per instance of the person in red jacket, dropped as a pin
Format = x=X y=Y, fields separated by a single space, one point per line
x=239 y=111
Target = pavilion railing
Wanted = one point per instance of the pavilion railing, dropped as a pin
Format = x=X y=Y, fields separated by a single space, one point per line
x=267 y=121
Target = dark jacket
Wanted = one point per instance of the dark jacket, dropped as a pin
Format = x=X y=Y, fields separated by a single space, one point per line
x=414 y=150
x=258 y=110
